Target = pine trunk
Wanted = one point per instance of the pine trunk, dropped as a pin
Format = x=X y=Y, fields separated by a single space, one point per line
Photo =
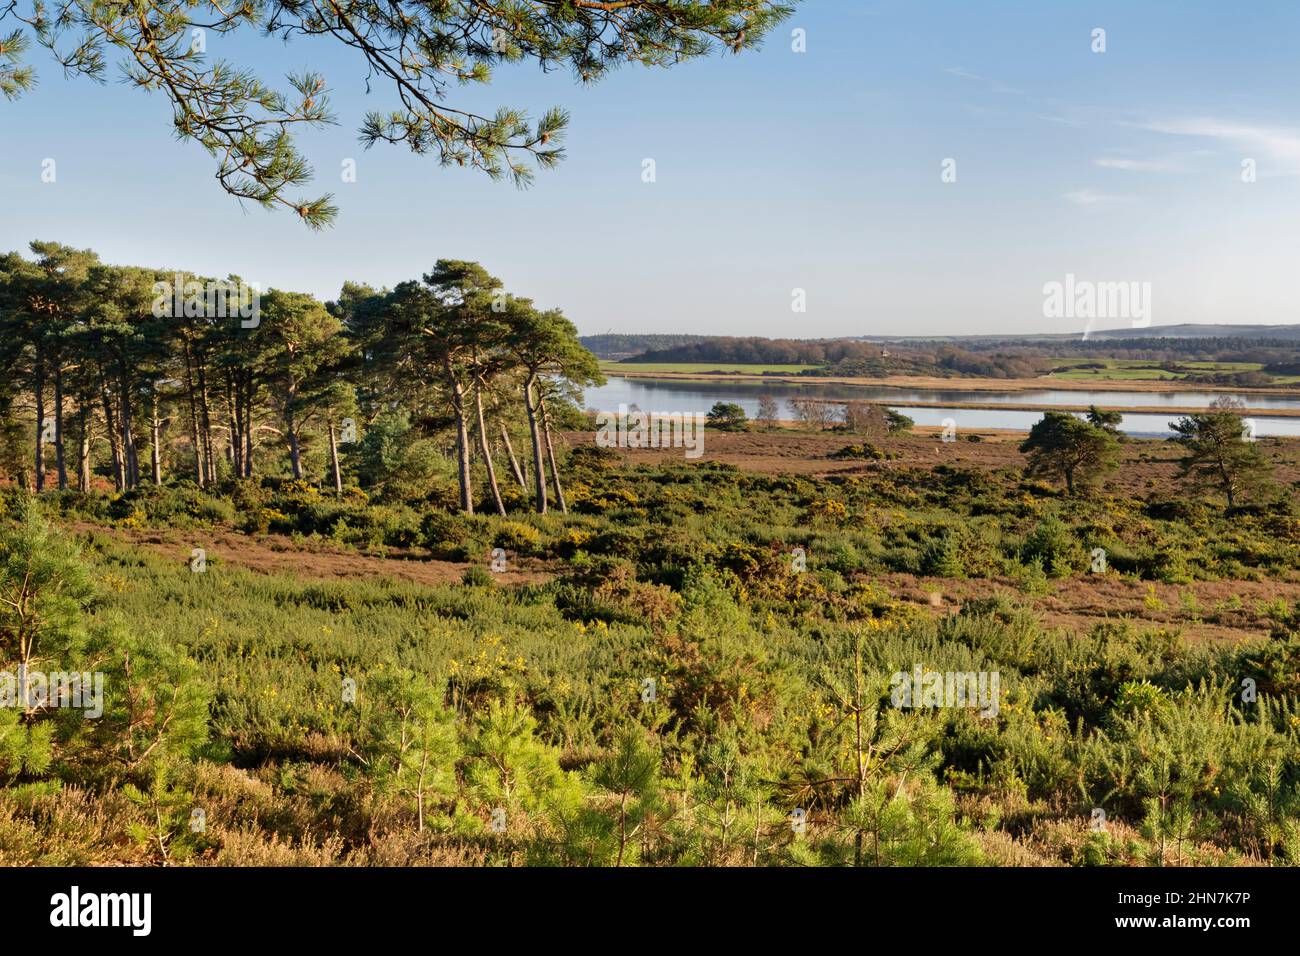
x=334 y=460
x=514 y=462
x=58 y=424
x=295 y=457
x=39 y=389
x=130 y=459
x=534 y=431
x=486 y=449
x=83 y=443
x=206 y=418
x=550 y=457
x=114 y=440
x=462 y=440
x=248 y=429
x=155 y=440
x=200 y=472
x=236 y=427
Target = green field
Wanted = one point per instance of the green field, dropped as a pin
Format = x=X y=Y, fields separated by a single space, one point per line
x=1114 y=374
x=1137 y=370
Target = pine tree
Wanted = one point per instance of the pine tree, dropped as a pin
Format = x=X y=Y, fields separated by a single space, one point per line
x=1220 y=455
x=302 y=351
x=416 y=741
x=631 y=776
x=1061 y=445
x=545 y=344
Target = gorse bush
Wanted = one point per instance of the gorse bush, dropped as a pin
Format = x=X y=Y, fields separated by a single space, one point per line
x=1051 y=546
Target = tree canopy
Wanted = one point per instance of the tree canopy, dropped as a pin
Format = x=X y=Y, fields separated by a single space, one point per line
x=420 y=49
x=1063 y=446
x=1221 y=454
x=99 y=385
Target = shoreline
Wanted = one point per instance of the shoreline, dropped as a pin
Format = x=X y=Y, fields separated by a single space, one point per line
x=935 y=383
x=1045 y=407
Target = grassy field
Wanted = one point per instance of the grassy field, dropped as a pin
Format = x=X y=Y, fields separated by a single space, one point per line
x=1114 y=373
x=1122 y=370
x=665 y=675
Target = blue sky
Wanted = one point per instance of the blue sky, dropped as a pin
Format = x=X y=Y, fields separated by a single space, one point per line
x=775 y=171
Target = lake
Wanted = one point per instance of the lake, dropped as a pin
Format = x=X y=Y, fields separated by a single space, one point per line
x=669 y=395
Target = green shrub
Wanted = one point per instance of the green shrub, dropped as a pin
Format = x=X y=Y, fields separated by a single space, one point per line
x=477 y=577
x=1052 y=544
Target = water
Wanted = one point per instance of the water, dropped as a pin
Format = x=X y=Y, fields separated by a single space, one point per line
x=669 y=395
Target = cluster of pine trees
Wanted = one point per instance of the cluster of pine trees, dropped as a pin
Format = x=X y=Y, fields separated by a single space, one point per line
x=96 y=382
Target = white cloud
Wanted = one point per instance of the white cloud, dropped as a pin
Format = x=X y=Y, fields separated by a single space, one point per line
x=963 y=73
x=1278 y=143
x=1134 y=165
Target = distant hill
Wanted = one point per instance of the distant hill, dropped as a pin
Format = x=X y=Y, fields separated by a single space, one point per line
x=616 y=345
x=1186 y=330
x=1189 y=330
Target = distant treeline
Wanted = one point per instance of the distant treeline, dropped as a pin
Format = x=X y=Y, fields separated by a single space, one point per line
x=759 y=351
x=1219 y=349
x=991 y=358
x=613 y=345
x=848 y=356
